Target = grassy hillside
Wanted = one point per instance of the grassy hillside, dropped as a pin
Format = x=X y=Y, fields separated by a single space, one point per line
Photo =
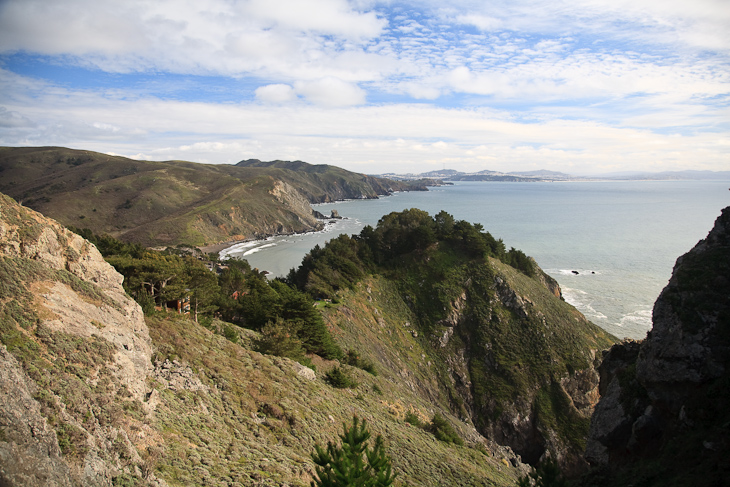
x=174 y=202
x=485 y=337
x=255 y=422
x=457 y=351
x=196 y=408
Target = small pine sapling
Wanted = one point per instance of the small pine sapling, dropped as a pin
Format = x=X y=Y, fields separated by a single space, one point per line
x=353 y=463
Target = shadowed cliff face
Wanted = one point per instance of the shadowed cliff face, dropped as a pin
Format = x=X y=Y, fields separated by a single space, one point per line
x=666 y=401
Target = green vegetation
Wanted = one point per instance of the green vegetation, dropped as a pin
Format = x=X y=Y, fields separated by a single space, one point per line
x=410 y=236
x=462 y=293
x=443 y=431
x=340 y=378
x=176 y=202
x=259 y=422
x=353 y=463
x=290 y=325
x=410 y=314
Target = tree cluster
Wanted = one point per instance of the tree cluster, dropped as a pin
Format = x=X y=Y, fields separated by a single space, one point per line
x=286 y=317
x=345 y=260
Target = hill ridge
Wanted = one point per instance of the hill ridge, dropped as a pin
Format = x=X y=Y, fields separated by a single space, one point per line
x=176 y=202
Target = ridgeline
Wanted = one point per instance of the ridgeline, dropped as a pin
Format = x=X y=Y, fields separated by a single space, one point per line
x=178 y=202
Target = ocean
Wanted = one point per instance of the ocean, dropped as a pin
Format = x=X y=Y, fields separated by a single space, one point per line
x=610 y=244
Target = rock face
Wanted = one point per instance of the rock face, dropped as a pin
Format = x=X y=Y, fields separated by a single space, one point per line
x=72 y=337
x=666 y=399
x=286 y=194
x=29 y=452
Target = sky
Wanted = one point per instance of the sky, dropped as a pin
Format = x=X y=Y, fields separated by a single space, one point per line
x=578 y=86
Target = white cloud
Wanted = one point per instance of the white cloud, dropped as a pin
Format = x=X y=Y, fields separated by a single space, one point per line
x=482 y=22
x=619 y=82
x=11 y=119
x=331 y=92
x=327 y=16
x=276 y=93
x=375 y=139
x=199 y=37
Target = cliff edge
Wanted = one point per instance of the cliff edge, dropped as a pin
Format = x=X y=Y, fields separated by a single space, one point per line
x=664 y=414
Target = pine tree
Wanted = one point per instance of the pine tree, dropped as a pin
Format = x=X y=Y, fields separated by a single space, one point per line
x=353 y=464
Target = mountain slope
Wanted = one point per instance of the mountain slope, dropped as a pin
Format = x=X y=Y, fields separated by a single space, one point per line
x=493 y=345
x=95 y=395
x=174 y=202
x=322 y=183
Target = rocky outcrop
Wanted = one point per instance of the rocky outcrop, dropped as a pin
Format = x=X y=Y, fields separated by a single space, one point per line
x=29 y=452
x=293 y=200
x=666 y=399
x=74 y=340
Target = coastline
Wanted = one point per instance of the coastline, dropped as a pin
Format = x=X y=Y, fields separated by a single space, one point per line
x=215 y=248
x=219 y=247
x=252 y=242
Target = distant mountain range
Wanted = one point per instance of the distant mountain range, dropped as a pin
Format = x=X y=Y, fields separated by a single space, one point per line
x=545 y=175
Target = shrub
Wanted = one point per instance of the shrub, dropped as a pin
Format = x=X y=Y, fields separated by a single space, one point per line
x=353 y=358
x=340 y=378
x=443 y=430
x=277 y=338
x=230 y=333
x=412 y=418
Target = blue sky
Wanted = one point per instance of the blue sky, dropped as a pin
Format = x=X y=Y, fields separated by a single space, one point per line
x=580 y=86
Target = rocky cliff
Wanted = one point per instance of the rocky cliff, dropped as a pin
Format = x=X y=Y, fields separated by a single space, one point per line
x=74 y=360
x=664 y=413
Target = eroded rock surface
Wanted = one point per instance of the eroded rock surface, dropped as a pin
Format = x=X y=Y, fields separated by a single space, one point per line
x=73 y=338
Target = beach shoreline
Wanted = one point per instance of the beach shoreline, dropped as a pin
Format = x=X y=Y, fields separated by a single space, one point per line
x=219 y=247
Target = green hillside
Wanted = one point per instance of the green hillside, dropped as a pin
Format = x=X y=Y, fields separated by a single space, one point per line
x=175 y=202
x=479 y=331
x=97 y=394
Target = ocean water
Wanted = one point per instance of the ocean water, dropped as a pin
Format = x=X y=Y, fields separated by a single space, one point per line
x=622 y=238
